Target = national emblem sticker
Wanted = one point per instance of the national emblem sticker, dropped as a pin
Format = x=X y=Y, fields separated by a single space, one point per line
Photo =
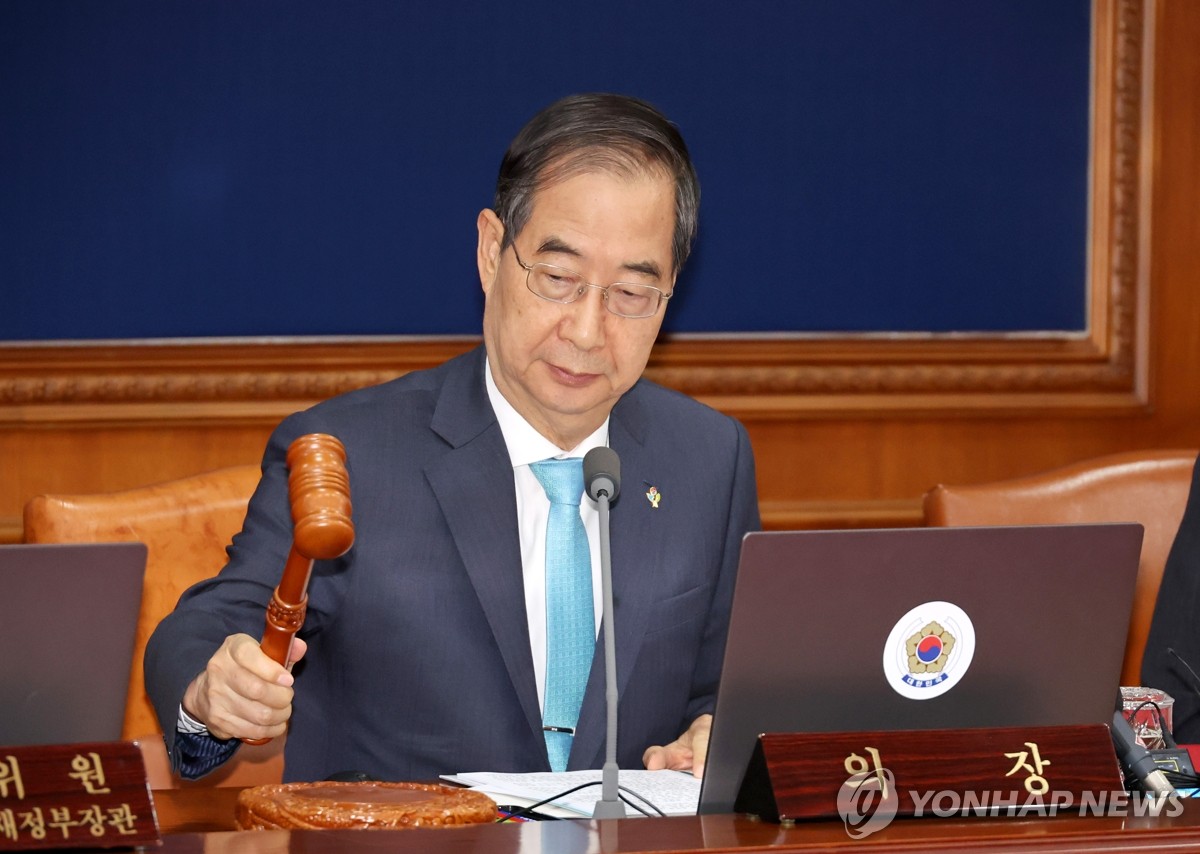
x=929 y=650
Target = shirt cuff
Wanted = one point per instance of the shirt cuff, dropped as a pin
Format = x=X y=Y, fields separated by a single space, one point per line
x=186 y=723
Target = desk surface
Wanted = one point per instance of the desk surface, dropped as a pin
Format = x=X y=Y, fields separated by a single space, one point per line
x=201 y=820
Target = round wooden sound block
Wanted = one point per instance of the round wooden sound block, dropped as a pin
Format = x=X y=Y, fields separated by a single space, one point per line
x=381 y=806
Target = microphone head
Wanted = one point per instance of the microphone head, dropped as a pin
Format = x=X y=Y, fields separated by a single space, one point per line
x=602 y=473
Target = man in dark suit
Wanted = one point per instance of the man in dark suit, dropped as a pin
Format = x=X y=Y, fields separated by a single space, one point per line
x=426 y=648
x=1173 y=644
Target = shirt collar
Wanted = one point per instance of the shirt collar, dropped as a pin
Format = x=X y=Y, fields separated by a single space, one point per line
x=525 y=444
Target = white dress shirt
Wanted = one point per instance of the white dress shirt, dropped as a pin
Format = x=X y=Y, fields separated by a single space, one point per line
x=526 y=445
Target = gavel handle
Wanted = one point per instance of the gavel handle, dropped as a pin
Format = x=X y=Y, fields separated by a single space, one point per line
x=285 y=613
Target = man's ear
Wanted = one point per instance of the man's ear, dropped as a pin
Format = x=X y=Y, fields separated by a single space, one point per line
x=487 y=253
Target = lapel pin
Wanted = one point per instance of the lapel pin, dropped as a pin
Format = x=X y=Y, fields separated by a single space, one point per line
x=654 y=496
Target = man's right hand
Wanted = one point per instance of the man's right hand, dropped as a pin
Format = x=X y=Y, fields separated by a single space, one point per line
x=242 y=693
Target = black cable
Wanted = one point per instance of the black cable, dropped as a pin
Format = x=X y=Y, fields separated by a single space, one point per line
x=630 y=803
x=643 y=799
x=1194 y=682
x=1164 y=731
x=1181 y=779
x=528 y=811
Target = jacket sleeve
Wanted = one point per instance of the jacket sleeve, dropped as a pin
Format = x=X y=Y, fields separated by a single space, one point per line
x=234 y=601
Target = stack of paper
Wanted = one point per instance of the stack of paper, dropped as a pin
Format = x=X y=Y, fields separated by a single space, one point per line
x=672 y=792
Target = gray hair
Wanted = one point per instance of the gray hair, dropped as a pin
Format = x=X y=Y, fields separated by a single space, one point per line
x=597 y=132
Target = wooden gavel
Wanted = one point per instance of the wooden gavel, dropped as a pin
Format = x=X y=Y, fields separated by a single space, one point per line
x=319 y=492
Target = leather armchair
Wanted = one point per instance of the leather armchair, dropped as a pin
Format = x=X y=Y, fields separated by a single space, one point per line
x=1150 y=487
x=186 y=525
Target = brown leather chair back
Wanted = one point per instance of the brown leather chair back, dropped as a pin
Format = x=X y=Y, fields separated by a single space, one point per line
x=1150 y=487
x=186 y=525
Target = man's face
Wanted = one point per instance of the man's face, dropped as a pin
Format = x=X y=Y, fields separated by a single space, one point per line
x=563 y=367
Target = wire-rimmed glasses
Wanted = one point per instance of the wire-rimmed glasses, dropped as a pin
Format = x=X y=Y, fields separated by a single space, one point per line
x=559 y=284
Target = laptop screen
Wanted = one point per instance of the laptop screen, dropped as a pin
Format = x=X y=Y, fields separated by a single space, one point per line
x=920 y=628
x=68 y=616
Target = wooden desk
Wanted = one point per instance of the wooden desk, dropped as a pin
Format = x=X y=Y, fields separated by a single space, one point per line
x=201 y=820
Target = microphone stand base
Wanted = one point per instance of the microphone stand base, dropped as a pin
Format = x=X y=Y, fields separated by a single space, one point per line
x=609 y=809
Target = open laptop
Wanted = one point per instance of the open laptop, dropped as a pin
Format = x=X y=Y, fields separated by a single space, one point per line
x=920 y=628
x=68 y=615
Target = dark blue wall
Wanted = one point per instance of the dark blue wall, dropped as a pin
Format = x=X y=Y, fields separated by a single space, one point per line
x=200 y=168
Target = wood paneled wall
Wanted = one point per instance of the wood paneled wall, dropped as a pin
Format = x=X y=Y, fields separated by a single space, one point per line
x=125 y=416
x=872 y=469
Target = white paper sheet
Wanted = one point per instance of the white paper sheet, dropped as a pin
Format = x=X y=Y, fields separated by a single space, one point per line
x=673 y=792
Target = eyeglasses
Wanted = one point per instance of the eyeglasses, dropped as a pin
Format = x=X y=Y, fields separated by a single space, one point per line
x=558 y=284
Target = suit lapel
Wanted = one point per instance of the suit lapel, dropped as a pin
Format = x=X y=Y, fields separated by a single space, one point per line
x=474 y=487
x=633 y=545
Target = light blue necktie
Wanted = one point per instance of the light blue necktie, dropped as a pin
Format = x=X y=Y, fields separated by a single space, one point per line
x=570 y=619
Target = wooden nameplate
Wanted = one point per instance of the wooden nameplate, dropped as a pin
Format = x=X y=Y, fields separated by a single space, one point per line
x=91 y=795
x=917 y=772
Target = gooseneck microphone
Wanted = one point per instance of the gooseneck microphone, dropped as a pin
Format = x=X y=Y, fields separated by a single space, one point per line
x=1193 y=681
x=1136 y=760
x=602 y=473
x=602 y=480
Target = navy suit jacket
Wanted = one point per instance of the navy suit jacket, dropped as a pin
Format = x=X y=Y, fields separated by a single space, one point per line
x=419 y=658
x=1171 y=662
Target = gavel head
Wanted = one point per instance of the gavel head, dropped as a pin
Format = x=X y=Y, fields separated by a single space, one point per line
x=319 y=491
